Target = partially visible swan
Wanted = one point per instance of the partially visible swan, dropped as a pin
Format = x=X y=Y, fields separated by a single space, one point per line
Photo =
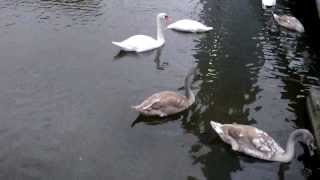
x=141 y=43
x=167 y=103
x=256 y=143
x=188 y=25
x=289 y=22
x=268 y=3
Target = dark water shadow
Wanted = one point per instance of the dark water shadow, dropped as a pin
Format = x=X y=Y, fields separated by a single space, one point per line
x=157 y=58
x=311 y=163
x=216 y=158
x=282 y=169
x=295 y=66
x=226 y=85
x=154 y=120
x=121 y=54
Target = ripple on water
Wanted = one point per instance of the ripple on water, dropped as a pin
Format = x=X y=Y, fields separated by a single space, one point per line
x=66 y=104
x=285 y=75
x=59 y=13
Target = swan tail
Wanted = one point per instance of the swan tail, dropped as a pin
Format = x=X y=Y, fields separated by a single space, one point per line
x=146 y=104
x=209 y=28
x=119 y=44
x=216 y=126
x=116 y=43
x=137 y=107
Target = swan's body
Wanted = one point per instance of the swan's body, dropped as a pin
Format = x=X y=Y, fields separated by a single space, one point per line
x=259 y=144
x=167 y=103
x=289 y=22
x=268 y=3
x=188 y=25
x=142 y=43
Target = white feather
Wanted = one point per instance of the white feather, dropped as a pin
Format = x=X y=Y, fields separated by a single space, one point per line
x=188 y=25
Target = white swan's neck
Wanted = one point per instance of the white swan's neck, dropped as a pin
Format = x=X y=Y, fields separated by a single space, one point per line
x=290 y=149
x=187 y=84
x=160 y=36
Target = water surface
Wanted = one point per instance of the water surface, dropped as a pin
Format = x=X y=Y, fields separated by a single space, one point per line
x=65 y=94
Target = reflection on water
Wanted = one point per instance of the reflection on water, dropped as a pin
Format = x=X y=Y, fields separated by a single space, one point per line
x=155 y=120
x=66 y=93
x=157 y=57
x=266 y=87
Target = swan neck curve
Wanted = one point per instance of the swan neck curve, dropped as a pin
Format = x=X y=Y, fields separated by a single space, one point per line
x=290 y=149
x=160 y=36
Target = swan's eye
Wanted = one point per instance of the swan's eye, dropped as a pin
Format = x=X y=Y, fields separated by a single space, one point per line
x=166 y=17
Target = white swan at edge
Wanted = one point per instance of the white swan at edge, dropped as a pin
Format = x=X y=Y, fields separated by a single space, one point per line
x=259 y=144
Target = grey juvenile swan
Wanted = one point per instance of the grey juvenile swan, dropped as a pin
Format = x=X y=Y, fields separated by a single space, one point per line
x=167 y=103
x=259 y=144
x=289 y=22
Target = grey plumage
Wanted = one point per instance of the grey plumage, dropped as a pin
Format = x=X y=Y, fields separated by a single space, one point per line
x=257 y=143
x=167 y=103
x=289 y=22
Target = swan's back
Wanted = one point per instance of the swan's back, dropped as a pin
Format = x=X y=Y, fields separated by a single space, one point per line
x=250 y=140
x=289 y=22
x=188 y=25
x=255 y=142
x=163 y=104
x=139 y=43
x=269 y=2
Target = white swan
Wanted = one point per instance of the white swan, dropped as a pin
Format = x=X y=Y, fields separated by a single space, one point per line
x=141 y=43
x=256 y=143
x=188 y=25
x=167 y=103
x=268 y=3
x=289 y=22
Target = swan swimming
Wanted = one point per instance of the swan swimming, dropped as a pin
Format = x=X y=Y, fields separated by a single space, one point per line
x=167 y=103
x=289 y=22
x=142 y=43
x=188 y=25
x=257 y=143
x=268 y=3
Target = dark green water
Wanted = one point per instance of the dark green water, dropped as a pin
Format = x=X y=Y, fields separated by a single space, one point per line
x=65 y=96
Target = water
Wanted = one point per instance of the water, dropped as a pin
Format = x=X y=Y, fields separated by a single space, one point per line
x=65 y=95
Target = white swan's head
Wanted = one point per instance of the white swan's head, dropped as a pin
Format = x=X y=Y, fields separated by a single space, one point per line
x=163 y=16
